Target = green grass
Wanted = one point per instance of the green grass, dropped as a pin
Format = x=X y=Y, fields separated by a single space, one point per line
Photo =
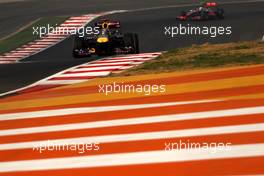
x=26 y=34
x=213 y=60
x=203 y=56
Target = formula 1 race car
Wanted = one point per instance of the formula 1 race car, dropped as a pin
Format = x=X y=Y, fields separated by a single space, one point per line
x=207 y=11
x=109 y=41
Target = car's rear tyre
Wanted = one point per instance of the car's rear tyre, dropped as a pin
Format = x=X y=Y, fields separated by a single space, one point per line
x=78 y=44
x=131 y=39
x=220 y=13
x=183 y=13
x=204 y=16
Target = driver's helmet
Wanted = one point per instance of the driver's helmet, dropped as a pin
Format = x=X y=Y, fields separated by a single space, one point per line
x=104 y=32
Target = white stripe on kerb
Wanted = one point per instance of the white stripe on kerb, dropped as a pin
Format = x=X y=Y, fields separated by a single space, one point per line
x=83 y=110
x=122 y=159
x=135 y=121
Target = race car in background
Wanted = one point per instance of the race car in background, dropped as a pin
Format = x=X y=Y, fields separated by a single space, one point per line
x=207 y=11
x=109 y=41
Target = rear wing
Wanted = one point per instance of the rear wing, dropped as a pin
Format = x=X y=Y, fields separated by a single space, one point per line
x=210 y=4
x=108 y=24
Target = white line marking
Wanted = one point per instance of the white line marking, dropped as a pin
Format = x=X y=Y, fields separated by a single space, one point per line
x=122 y=60
x=96 y=68
x=107 y=64
x=135 y=121
x=5 y=62
x=136 y=63
x=18 y=54
x=69 y=111
x=46 y=40
x=33 y=48
x=122 y=159
x=43 y=43
x=74 y=21
x=9 y=58
x=21 y=51
x=150 y=157
x=62 y=82
x=140 y=56
x=79 y=18
x=222 y=130
x=125 y=67
x=104 y=73
x=30 y=49
x=70 y=25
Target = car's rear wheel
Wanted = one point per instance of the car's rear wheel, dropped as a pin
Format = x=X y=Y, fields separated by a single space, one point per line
x=183 y=13
x=77 y=45
x=131 y=40
x=220 y=13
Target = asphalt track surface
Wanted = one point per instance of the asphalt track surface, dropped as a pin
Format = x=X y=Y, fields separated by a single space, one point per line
x=15 y=15
x=245 y=19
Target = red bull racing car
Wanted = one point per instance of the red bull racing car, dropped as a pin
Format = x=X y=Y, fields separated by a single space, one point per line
x=207 y=11
x=109 y=41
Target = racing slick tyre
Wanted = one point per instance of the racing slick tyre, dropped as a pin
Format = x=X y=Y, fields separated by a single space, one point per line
x=131 y=40
x=220 y=13
x=136 y=43
x=77 y=45
x=183 y=13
